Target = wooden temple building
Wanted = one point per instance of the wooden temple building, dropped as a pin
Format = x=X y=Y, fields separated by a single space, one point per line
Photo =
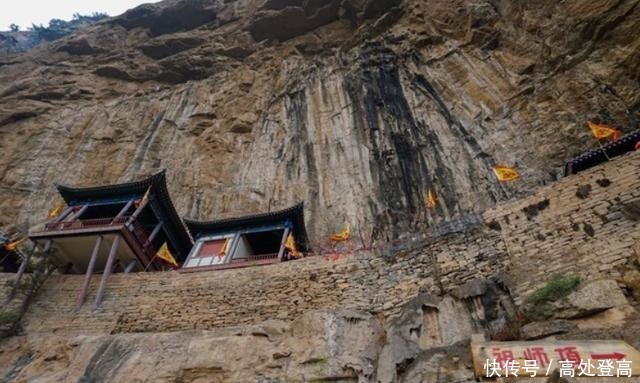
x=114 y=228
x=250 y=240
x=124 y=225
x=134 y=227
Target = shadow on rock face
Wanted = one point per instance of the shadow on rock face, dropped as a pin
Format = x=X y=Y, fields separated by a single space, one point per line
x=106 y=361
x=182 y=16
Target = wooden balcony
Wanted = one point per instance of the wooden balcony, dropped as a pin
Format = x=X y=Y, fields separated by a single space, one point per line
x=133 y=233
x=254 y=260
x=85 y=223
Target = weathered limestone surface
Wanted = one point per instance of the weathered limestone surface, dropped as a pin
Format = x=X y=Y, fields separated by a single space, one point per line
x=404 y=316
x=355 y=107
x=335 y=346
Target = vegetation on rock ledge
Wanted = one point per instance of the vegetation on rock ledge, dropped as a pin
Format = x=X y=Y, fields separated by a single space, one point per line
x=539 y=303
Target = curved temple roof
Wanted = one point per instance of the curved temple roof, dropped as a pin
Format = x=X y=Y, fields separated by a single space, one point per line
x=295 y=214
x=158 y=183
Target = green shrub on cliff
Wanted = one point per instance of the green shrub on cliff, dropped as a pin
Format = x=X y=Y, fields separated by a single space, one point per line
x=538 y=304
x=58 y=28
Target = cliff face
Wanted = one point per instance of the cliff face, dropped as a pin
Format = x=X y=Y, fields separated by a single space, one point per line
x=356 y=107
x=560 y=265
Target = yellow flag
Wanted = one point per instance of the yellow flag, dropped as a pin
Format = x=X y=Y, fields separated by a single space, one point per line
x=505 y=173
x=431 y=199
x=166 y=255
x=13 y=245
x=291 y=245
x=56 y=210
x=601 y=131
x=342 y=236
x=144 y=199
x=225 y=247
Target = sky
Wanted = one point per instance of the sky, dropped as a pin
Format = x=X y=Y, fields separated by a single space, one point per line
x=27 y=12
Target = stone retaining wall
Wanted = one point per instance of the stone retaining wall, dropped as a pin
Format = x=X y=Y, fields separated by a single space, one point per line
x=585 y=224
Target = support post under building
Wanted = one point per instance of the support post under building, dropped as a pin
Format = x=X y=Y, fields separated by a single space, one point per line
x=107 y=270
x=89 y=272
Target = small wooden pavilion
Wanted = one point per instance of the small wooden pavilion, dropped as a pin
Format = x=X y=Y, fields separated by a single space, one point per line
x=250 y=240
x=115 y=228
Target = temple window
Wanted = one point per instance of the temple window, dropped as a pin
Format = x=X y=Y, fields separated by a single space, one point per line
x=210 y=252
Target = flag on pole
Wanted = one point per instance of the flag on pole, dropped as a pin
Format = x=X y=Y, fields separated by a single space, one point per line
x=225 y=247
x=291 y=246
x=342 y=236
x=431 y=199
x=602 y=131
x=505 y=173
x=144 y=199
x=166 y=255
x=11 y=246
x=56 y=209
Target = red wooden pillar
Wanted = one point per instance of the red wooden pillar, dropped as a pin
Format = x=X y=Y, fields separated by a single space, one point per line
x=21 y=270
x=107 y=271
x=89 y=272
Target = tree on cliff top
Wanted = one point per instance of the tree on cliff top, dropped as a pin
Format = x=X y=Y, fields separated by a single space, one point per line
x=58 y=28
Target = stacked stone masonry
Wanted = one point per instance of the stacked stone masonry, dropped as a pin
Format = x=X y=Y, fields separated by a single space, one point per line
x=583 y=224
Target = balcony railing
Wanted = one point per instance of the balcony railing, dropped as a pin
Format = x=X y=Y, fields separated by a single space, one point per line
x=255 y=258
x=85 y=223
x=138 y=232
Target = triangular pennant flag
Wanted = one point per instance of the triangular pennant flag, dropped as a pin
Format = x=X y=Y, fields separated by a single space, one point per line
x=291 y=246
x=56 y=209
x=164 y=254
x=505 y=173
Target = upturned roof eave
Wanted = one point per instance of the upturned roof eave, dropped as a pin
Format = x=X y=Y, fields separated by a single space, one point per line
x=293 y=213
x=75 y=194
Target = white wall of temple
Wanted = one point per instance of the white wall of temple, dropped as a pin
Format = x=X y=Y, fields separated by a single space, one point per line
x=244 y=248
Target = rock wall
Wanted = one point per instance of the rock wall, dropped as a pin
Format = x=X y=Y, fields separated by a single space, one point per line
x=584 y=225
x=356 y=107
